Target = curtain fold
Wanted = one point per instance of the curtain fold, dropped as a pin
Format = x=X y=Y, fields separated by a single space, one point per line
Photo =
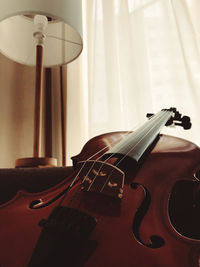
x=141 y=56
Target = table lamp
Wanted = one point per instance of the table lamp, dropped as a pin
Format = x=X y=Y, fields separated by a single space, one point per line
x=54 y=28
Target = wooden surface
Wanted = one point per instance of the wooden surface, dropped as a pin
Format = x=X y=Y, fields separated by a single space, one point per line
x=38 y=92
x=127 y=230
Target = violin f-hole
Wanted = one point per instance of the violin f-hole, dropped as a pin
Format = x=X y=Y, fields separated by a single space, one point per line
x=155 y=241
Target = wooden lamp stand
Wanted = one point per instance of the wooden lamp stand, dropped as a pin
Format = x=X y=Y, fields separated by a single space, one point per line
x=36 y=160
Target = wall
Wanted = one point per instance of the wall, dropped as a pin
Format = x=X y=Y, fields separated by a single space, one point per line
x=17 y=112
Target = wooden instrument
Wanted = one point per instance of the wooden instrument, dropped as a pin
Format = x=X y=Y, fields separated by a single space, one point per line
x=132 y=200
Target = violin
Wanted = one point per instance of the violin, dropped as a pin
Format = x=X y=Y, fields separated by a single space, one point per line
x=133 y=199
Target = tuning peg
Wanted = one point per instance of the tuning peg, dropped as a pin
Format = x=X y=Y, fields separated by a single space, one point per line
x=182 y=121
x=177 y=116
x=185 y=123
x=149 y=115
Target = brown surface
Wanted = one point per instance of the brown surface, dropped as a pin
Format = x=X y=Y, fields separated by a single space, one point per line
x=35 y=162
x=38 y=92
x=114 y=241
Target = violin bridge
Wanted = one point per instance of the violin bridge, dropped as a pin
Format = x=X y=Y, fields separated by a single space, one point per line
x=102 y=178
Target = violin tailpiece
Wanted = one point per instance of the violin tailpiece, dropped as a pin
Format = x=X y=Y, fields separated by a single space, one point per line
x=63 y=233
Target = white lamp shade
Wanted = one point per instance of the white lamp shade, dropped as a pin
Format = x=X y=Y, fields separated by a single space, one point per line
x=63 y=42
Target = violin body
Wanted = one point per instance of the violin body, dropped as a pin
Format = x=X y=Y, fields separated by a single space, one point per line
x=137 y=229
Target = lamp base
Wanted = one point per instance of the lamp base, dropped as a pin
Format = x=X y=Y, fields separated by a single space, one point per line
x=35 y=162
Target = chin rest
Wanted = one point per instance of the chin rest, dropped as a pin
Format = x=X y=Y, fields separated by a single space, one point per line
x=30 y=180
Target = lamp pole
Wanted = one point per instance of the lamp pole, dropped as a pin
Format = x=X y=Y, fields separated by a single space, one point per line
x=38 y=93
x=40 y=24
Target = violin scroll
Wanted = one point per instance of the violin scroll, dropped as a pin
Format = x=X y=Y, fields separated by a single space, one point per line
x=176 y=119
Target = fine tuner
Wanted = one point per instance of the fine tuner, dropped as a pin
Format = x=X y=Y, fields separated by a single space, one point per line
x=176 y=119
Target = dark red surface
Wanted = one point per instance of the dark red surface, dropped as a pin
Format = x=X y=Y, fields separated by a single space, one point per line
x=171 y=160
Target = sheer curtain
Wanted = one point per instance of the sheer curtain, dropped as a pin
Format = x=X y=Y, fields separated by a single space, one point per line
x=139 y=56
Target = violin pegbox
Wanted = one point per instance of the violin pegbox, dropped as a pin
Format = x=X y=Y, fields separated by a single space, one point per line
x=176 y=119
x=101 y=178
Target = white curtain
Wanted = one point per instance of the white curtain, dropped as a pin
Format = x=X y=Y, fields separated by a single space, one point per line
x=139 y=56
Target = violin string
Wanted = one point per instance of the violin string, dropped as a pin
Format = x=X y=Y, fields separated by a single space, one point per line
x=99 y=151
x=103 y=162
x=162 y=116
x=136 y=135
x=82 y=167
x=75 y=180
x=126 y=155
x=94 y=156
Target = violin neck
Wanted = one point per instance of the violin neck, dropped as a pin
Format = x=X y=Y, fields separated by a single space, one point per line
x=137 y=142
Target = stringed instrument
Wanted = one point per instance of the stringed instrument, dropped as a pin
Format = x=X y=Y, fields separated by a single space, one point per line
x=132 y=200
